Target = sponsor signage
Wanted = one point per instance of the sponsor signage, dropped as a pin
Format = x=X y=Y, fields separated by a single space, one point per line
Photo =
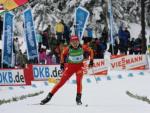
x=99 y=67
x=43 y=72
x=14 y=77
x=129 y=62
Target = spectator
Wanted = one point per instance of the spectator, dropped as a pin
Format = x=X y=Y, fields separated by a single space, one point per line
x=123 y=41
x=39 y=39
x=16 y=48
x=131 y=46
x=48 y=31
x=54 y=59
x=57 y=52
x=42 y=55
x=21 y=59
x=101 y=48
x=105 y=35
x=127 y=34
x=138 y=46
x=48 y=57
x=66 y=34
x=59 y=30
x=17 y=45
x=53 y=43
x=45 y=39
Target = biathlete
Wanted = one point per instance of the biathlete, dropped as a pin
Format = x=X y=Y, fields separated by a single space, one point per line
x=75 y=57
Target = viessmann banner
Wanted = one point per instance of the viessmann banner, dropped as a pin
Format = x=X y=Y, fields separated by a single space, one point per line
x=99 y=68
x=129 y=62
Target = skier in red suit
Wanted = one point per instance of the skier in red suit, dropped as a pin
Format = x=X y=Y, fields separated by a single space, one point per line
x=75 y=57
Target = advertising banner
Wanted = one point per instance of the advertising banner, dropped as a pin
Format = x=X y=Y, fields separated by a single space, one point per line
x=99 y=68
x=14 y=77
x=7 y=39
x=129 y=62
x=81 y=19
x=30 y=35
x=44 y=72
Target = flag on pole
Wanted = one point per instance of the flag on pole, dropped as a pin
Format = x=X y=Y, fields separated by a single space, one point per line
x=112 y=27
x=11 y=4
x=2 y=1
x=30 y=35
x=81 y=19
x=7 y=50
x=1 y=10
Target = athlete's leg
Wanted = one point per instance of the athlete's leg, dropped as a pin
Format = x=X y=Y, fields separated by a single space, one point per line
x=79 y=76
x=66 y=75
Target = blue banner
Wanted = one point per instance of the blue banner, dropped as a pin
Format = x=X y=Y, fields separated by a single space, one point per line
x=7 y=53
x=81 y=19
x=30 y=35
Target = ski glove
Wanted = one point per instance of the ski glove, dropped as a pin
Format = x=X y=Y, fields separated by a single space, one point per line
x=62 y=66
x=91 y=63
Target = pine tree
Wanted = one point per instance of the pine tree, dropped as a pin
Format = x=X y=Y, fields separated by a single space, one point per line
x=47 y=12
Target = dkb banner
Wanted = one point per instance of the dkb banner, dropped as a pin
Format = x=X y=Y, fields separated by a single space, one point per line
x=7 y=39
x=30 y=35
x=81 y=18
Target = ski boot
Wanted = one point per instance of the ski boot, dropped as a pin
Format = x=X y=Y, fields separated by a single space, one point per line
x=78 y=99
x=47 y=99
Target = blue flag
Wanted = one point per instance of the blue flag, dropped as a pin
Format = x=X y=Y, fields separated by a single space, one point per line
x=112 y=27
x=7 y=53
x=30 y=35
x=81 y=19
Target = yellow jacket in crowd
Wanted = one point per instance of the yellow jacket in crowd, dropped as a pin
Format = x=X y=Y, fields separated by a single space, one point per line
x=59 y=27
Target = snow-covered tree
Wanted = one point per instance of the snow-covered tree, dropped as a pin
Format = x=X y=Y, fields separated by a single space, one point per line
x=47 y=12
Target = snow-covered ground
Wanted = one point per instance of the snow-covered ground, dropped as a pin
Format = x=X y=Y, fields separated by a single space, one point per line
x=105 y=96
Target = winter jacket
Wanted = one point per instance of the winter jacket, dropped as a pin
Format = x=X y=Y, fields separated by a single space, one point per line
x=59 y=28
x=39 y=38
x=42 y=56
x=48 y=59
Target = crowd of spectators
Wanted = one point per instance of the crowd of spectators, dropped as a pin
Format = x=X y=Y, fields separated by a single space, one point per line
x=53 y=40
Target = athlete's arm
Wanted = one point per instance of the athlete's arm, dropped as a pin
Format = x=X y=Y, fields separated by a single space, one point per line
x=63 y=54
x=89 y=50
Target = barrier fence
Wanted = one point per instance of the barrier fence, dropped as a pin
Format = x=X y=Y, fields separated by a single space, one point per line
x=52 y=73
